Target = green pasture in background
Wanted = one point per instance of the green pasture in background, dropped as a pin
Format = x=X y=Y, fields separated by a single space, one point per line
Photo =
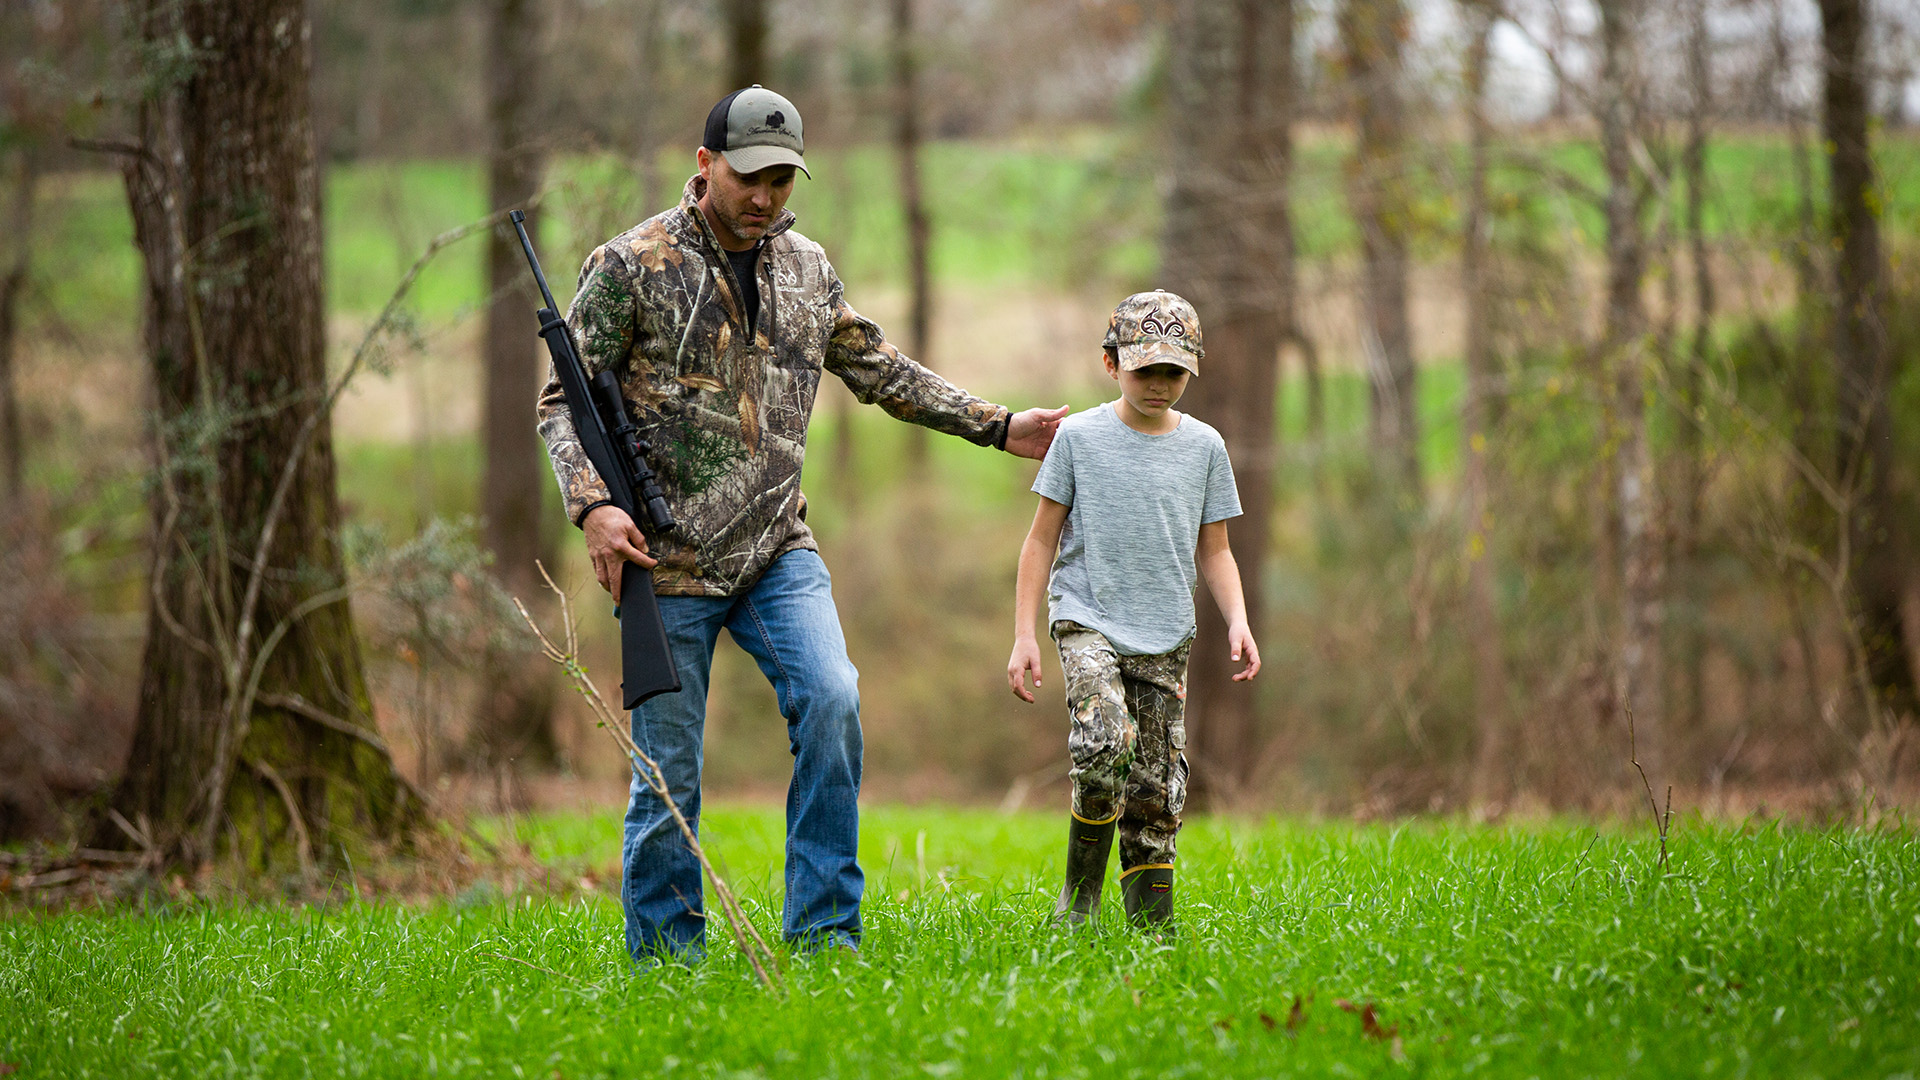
x=1532 y=949
x=383 y=483
x=1063 y=214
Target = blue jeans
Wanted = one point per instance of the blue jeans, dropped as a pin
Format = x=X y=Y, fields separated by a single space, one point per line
x=788 y=624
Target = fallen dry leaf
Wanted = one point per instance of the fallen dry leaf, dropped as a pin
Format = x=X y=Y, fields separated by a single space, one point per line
x=1296 y=1015
x=1267 y=1021
x=1370 y=1025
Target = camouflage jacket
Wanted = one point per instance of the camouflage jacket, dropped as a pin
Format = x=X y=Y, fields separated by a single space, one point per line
x=726 y=408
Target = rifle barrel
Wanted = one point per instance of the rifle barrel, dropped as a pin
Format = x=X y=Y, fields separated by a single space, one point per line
x=520 y=226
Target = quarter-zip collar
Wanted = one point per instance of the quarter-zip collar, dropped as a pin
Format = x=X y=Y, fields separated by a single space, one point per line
x=716 y=257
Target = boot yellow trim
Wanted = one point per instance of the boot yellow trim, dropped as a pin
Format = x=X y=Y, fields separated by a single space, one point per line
x=1146 y=866
x=1090 y=821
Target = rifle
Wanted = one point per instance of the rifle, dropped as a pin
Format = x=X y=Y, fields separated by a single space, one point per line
x=616 y=451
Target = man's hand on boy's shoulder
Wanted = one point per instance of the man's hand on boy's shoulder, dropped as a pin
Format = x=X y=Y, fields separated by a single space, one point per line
x=1030 y=433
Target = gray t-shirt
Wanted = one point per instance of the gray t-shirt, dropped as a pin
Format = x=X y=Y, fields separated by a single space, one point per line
x=1125 y=566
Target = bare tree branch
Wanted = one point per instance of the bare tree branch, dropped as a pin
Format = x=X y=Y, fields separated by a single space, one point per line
x=745 y=935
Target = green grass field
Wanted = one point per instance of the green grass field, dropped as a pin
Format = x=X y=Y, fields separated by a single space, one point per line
x=1543 y=949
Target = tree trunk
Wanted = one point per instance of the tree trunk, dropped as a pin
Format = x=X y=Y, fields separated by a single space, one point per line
x=13 y=282
x=648 y=55
x=1863 y=430
x=1491 y=774
x=514 y=725
x=225 y=197
x=1690 y=471
x=906 y=88
x=1228 y=249
x=370 y=102
x=1309 y=368
x=1559 y=106
x=1372 y=33
x=1625 y=351
x=846 y=444
x=746 y=43
x=1809 y=275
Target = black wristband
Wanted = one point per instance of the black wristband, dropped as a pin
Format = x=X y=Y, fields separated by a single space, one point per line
x=581 y=521
x=1006 y=428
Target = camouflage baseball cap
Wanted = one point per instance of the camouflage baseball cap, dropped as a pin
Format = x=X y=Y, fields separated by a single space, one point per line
x=1155 y=328
x=756 y=128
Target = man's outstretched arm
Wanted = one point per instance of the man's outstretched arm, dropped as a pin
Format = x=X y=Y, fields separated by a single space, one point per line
x=879 y=374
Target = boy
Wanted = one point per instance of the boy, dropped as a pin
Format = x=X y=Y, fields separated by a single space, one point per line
x=1132 y=496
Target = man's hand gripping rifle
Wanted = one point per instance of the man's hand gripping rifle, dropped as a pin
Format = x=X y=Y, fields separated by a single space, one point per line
x=614 y=447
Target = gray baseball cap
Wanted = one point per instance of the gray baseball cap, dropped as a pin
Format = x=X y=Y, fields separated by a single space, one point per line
x=756 y=128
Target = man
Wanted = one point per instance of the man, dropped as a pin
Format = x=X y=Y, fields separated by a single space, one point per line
x=719 y=321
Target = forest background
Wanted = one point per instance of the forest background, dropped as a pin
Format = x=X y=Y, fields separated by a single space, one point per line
x=1566 y=352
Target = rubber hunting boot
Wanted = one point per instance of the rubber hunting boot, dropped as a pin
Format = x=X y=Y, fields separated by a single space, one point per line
x=1088 y=843
x=1148 y=893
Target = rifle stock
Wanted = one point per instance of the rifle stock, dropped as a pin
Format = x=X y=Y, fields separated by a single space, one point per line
x=613 y=447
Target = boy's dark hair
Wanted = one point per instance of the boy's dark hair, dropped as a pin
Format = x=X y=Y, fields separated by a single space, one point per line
x=1113 y=354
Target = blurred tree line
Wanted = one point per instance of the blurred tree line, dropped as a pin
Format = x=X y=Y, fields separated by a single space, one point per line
x=406 y=79
x=1681 y=497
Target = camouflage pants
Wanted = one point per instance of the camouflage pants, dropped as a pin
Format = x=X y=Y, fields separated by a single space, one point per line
x=1129 y=728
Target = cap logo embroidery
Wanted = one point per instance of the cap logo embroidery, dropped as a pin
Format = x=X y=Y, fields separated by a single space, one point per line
x=775 y=121
x=1171 y=328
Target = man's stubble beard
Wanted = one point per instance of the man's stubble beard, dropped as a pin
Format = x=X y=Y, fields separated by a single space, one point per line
x=729 y=219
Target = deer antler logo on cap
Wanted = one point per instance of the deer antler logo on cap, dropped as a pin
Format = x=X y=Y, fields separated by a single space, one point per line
x=1153 y=327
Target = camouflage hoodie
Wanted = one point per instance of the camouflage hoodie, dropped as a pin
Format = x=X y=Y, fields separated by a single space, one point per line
x=726 y=407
